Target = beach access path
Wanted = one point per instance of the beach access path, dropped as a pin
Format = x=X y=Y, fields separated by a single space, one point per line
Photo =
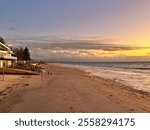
x=61 y=89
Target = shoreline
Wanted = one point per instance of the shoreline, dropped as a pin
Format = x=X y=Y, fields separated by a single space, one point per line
x=99 y=90
x=124 y=86
x=113 y=82
x=133 y=78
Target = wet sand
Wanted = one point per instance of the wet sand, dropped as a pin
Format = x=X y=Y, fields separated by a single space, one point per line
x=68 y=90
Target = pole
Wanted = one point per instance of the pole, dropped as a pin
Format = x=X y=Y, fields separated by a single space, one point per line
x=3 y=73
x=41 y=74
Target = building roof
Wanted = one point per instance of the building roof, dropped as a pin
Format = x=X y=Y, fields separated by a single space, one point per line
x=6 y=52
x=4 y=47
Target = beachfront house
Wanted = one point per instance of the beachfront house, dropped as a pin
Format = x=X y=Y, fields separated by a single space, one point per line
x=6 y=58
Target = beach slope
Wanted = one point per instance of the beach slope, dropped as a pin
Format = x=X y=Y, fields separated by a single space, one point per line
x=62 y=89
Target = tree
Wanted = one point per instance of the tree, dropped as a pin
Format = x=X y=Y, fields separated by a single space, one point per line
x=26 y=54
x=19 y=53
x=2 y=40
x=22 y=54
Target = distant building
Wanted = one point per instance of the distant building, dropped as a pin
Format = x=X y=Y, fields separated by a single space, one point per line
x=6 y=58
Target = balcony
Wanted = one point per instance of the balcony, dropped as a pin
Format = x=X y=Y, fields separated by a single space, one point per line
x=6 y=56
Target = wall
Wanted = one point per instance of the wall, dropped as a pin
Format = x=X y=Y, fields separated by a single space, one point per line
x=1 y=64
x=5 y=63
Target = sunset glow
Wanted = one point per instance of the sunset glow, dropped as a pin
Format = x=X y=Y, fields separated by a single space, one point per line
x=75 y=30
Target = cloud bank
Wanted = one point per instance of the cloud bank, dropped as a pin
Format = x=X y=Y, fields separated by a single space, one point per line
x=59 y=49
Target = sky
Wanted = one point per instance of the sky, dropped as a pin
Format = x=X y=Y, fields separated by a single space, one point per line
x=78 y=30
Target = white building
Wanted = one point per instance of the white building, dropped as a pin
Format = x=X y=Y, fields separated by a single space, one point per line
x=6 y=58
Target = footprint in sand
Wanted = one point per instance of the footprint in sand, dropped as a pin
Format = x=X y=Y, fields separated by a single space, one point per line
x=132 y=109
x=15 y=84
x=25 y=85
x=71 y=108
x=9 y=88
x=4 y=93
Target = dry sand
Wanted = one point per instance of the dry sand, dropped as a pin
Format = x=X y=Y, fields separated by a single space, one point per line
x=68 y=90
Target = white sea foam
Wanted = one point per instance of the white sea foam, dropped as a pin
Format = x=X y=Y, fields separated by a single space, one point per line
x=135 y=76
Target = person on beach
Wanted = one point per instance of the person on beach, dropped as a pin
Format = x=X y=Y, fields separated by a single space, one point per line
x=41 y=72
x=48 y=72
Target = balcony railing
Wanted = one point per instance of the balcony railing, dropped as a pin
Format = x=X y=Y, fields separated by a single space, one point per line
x=5 y=55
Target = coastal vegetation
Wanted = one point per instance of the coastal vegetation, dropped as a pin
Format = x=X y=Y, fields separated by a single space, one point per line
x=22 y=54
x=2 y=40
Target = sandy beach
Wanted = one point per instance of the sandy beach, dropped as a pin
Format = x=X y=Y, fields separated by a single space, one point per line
x=68 y=90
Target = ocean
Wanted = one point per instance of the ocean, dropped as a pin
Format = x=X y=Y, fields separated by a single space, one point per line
x=133 y=74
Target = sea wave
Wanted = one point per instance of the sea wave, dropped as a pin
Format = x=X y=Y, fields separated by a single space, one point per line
x=135 y=77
